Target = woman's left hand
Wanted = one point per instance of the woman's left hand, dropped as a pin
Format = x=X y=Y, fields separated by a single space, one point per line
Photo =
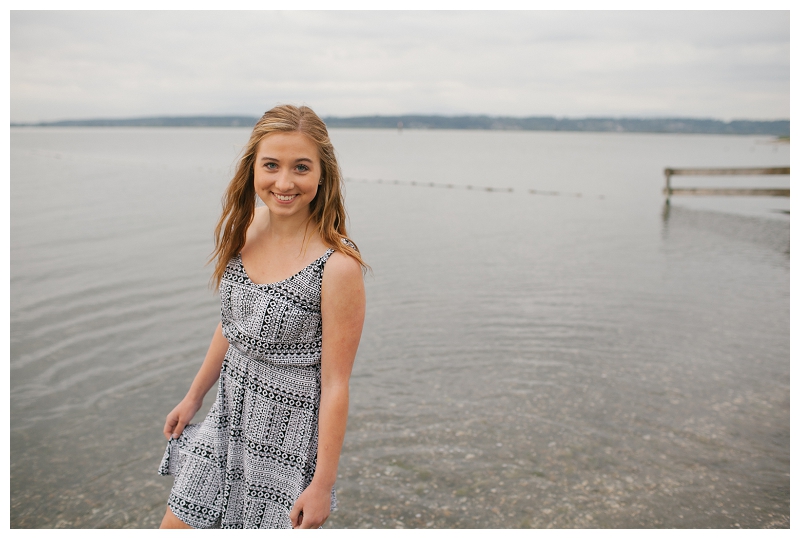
x=314 y=504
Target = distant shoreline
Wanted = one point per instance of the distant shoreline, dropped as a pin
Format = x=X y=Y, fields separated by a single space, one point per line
x=778 y=128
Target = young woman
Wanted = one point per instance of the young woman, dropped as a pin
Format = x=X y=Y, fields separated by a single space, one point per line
x=292 y=308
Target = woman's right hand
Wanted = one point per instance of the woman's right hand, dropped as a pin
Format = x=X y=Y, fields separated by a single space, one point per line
x=180 y=416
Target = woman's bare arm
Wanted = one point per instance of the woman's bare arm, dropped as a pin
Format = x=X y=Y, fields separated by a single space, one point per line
x=343 y=305
x=183 y=413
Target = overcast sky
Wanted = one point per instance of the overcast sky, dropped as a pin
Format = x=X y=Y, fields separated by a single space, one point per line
x=90 y=64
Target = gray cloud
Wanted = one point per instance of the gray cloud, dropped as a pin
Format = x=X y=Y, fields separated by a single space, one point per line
x=116 y=64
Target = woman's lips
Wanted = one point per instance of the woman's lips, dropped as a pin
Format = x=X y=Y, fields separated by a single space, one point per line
x=284 y=199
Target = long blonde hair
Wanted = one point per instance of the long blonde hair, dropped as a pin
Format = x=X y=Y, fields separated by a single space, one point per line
x=239 y=202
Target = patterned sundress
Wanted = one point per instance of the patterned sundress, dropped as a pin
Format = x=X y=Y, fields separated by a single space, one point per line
x=254 y=454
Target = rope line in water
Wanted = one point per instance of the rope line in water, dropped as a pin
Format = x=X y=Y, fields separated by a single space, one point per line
x=469 y=187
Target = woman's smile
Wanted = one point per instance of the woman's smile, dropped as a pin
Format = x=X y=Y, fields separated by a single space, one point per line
x=284 y=199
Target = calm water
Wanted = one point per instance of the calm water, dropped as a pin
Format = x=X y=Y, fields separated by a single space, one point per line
x=528 y=360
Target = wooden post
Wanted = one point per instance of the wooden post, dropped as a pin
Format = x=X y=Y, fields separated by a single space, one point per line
x=667 y=189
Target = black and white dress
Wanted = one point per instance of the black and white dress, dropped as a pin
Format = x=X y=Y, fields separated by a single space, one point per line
x=254 y=454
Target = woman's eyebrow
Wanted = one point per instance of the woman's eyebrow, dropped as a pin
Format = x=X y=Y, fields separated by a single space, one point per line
x=268 y=158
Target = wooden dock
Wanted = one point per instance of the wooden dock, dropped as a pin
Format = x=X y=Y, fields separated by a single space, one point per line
x=725 y=191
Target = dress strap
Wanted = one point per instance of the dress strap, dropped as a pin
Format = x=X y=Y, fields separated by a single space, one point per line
x=327 y=255
x=329 y=252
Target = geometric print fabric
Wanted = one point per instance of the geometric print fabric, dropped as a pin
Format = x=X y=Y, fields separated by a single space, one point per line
x=255 y=452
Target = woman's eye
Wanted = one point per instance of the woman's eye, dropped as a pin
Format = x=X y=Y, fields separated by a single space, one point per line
x=302 y=168
x=271 y=166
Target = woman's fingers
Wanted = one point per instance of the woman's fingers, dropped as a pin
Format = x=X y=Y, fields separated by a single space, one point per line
x=169 y=426
x=179 y=428
x=311 y=509
x=302 y=521
x=305 y=521
x=179 y=417
x=309 y=523
x=295 y=516
x=174 y=426
x=312 y=524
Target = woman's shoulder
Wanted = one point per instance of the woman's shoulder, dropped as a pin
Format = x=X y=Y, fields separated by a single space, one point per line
x=341 y=266
x=342 y=284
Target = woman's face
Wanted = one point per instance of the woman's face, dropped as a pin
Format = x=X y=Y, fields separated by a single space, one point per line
x=286 y=173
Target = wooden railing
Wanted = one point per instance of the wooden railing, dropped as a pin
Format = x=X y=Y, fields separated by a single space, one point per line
x=725 y=191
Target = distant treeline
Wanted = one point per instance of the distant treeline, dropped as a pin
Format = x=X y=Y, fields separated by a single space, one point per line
x=507 y=123
x=156 y=121
x=550 y=123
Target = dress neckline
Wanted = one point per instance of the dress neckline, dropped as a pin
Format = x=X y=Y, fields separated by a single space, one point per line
x=244 y=271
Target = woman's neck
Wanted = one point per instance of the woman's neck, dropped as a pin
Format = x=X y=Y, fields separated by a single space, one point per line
x=288 y=230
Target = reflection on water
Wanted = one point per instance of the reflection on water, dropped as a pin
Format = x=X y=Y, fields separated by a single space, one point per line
x=773 y=234
x=527 y=360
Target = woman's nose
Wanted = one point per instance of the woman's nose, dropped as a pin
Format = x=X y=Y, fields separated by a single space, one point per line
x=284 y=181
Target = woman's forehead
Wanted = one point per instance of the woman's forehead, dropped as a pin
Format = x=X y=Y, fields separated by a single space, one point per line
x=288 y=142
